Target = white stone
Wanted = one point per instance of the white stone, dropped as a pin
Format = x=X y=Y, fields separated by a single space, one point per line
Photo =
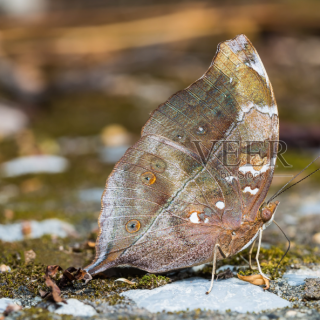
x=13 y=232
x=297 y=277
x=76 y=308
x=34 y=164
x=232 y=294
x=5 y=302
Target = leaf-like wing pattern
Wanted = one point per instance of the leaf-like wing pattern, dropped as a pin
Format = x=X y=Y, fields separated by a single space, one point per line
x=199 y=173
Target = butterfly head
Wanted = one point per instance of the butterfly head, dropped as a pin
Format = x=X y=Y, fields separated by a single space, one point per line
x=267 y=212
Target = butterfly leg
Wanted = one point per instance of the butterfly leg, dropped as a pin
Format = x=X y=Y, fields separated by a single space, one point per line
x=257 y=256
x=250 y=254
x=217 y=246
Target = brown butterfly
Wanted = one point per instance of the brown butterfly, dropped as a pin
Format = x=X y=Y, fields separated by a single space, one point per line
x=192 y=189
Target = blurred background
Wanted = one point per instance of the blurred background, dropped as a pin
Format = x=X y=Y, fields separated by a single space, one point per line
x=79 y=78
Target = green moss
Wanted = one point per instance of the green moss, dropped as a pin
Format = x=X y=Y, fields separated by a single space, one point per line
x=151 y=281
x=269 y=259
x=29 y=277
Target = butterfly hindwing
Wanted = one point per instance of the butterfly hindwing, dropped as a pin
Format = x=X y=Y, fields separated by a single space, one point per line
x=199 y=173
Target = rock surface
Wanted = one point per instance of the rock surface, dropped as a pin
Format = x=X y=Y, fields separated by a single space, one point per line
x=74 y=307
x=232 y=294
x=297 y=277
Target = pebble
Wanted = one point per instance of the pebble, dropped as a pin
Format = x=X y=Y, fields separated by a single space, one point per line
x=34 y=164
x=15 y=231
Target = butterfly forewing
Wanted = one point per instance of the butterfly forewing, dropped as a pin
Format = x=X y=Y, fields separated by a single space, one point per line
x=199 y=173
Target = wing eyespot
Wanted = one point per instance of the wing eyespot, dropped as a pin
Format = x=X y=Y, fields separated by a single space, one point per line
x=201 y=130
x=133 y=226
x=148 y=178
x=158 y=165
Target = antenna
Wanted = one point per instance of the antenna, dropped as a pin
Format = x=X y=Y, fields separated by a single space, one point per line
x=280 y=191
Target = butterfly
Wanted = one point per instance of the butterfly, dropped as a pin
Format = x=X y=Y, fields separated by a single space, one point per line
x=192 y=189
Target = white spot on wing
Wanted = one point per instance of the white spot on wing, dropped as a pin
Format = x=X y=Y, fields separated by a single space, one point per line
x=220 y=205
x=230 y=80
x=249 y=168
x=256 y=66
x=194 y=217
x=206 y=220
x=252 y=191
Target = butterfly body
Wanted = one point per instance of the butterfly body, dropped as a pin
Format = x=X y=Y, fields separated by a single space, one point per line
x=199 y=174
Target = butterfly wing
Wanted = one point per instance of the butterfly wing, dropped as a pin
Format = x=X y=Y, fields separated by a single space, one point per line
x=179 y=190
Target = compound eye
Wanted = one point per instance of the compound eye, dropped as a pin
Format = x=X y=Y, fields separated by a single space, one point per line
x=133 y=226
x=266 y=215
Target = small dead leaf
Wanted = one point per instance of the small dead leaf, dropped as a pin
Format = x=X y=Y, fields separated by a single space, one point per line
x=124 y=280
x=67 y=277
x=29 y=256
x=56 y=292
x=256 y=279
x=12 y=308
x=43 y=293
x=80 y=274
x=52 y=270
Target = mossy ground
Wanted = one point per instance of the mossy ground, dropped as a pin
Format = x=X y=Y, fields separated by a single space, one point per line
x=31 y=276
x=269 y=259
